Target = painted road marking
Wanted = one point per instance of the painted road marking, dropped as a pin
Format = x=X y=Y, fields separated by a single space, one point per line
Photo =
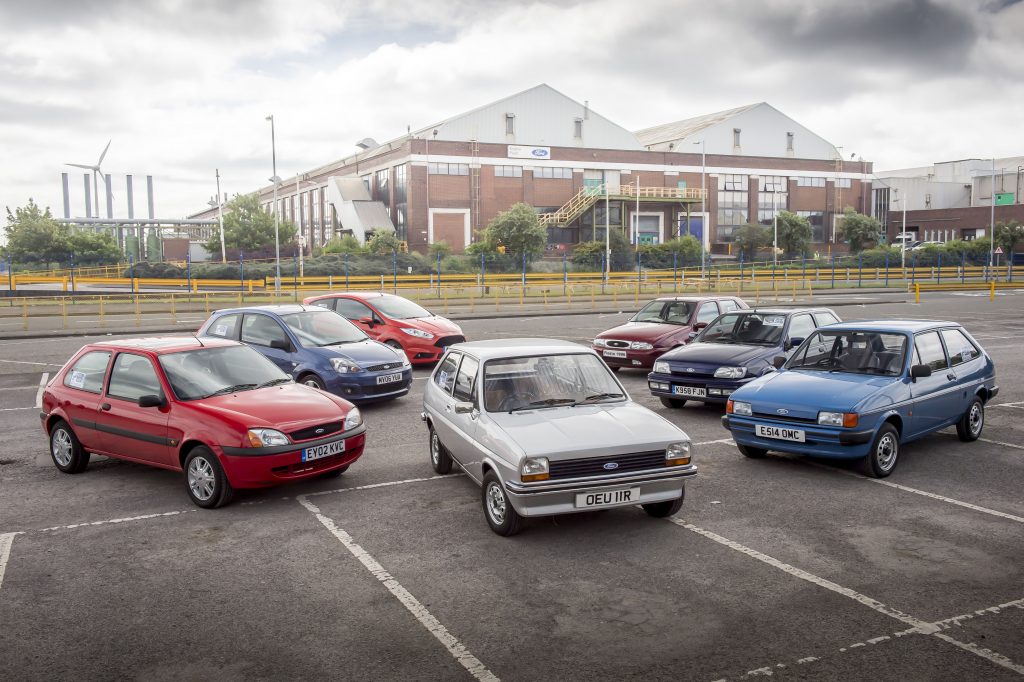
x=126 y=519
x=6 y=540
x=456 y=648
x=12 y=409
x=18 y=388
x=1005 y=445
x=26 y=362
x=42 y=385
x=917 y=625
x=380 y=485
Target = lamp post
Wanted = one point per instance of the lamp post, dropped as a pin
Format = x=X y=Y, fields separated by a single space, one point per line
x=1016 y=195
x=607 y=237
x=277 y=236
x=216 y=201
x=992 y=221
x=775 y=232
x=705 y=234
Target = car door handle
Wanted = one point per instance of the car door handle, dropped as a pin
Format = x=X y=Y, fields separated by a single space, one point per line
x=447 y=408
x=105 y=406
x=951 y=376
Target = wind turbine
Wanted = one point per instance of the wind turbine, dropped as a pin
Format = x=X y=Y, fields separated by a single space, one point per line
x=95 y=171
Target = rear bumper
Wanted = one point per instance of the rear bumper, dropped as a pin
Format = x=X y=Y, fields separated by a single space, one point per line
x=634 y=358
x=821 y=441
x=259 y=471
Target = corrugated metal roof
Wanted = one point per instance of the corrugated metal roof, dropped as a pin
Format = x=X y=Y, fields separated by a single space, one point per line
x=670 y=132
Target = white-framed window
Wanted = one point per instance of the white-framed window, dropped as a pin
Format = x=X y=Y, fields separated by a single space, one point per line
x=448 y=168
x=508 y=171
x=553 y=172
x=773 y=183
x=805 y=181
x=733 y=183
x=844 y=183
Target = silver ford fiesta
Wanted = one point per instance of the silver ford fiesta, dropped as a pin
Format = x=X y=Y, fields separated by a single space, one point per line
x=545 y=428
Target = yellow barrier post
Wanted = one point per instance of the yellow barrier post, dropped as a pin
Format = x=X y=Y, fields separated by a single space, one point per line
x=138 y=315
x=992 y=291
x=64 y=284
x=239 y=298
x=24 y=314
x=103 y=320
x=63 y=313
x=917 y=293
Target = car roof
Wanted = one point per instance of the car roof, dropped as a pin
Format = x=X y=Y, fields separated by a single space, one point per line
x=364 y=295
x=899 y=326
x=161 y=345
x=503 y=348
x=783 y=311
x=695 y=299
x=277 y=309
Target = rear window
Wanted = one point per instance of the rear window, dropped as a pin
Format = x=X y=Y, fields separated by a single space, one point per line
x=959 y=347
x=88 y=372
x=445 y=375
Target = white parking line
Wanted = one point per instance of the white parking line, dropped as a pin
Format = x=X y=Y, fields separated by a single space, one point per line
x=456 y=648
x=1005 y=445
x=918 y=626
x=6 y=540
x=13 y=409
x=126 y=519
x=1014 y=404
x=42 y=385
x=26 y=362
x=379 y=485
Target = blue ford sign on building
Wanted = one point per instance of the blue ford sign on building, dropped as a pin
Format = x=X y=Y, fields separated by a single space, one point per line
x=522 y=152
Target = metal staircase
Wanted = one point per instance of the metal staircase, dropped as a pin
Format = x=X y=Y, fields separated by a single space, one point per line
x=588 y=196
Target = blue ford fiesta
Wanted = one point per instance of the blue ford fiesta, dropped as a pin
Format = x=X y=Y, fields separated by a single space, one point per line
x=860 y=390
x=318 y=348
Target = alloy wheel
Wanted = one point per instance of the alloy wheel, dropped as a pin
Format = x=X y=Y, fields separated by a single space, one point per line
x=496 y=503
x=201 y=479
x=61 y=447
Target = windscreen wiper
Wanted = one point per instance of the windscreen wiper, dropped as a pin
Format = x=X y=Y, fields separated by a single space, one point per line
x=598 y=396
x=231 y=389
x=275 y=382
x=550 y=402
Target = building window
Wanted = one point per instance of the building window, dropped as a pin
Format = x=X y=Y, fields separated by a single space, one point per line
x=381 y=191
x=577 y=129
x=508 y=171
x=368 y=181
x=735 y=137
x=401 y=201
x=448 y=168
x=804 y=181
x=843 y=183
x=553 y=172
x=510 y=124
x=789 y=142
x=773 y=183
x=737 y=183
x=817 y=221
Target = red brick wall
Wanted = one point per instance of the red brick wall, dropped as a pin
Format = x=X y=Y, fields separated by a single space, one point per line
x=957 y=219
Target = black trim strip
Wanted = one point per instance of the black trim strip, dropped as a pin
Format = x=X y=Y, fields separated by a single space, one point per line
x=135 y=435
x=291 y=447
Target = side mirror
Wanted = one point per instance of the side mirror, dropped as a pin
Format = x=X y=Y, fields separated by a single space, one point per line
x=281 y=344
x=699 y=325
x=793 y=342
x=150 y=400
x=919 y=371
x=464 y=407
x=366 y=320
x=778 y=361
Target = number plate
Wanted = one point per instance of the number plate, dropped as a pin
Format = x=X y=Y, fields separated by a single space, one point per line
x=779 y=433
x=607 y=498
x=690 y=390
x=325 y=450
x=389 y=378
x=615 y=353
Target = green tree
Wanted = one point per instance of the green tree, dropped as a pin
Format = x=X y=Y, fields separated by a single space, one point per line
x=519 y=231
x=383 y=242
x=858 y=229
x=247 y=226
x=347 y=244
x=749 y=238
x=441 y=248
x=34 y=236
x=588 y=254
x=94 y=248
x=1008 y=235
x=794 y=233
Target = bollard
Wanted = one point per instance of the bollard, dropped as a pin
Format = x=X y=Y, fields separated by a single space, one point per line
x=24 y=314
x=138 y=314
x=63 y=313
x=103 y=320
x=497 y=305
x=992 y=291
x=917 y=293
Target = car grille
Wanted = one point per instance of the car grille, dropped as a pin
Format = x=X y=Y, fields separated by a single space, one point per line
x=786 y=418
x=595 y=466
x=683 y=371
x=615 y=343
x=446 y=341
x=383 y=367
x=318 y=431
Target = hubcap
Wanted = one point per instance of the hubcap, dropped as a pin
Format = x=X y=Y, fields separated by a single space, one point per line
x=976 y=419
x=312 y=382
x=201 y=480
x=886 y=452
x=60 y=445
x=496 y=503
x=435 y=448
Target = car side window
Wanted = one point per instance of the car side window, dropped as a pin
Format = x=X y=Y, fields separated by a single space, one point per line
x=326 y=303
x=465 y=381
x=87 y=374
x=225 y=327
x=959 y=347
x=132 y=376
x=445 y=375
x=728 y=306
x=261 y=330
x=801 y=326
x=930 y=351
x=707 y=312
x=353 y=310
x=825 y=318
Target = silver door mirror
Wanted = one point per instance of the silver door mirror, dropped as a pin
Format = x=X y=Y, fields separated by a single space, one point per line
x=464 y=407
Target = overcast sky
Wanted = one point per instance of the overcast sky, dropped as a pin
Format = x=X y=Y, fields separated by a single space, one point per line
x=183 y=86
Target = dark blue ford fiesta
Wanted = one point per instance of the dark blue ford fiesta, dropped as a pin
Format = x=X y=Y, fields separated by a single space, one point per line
x=318 y=348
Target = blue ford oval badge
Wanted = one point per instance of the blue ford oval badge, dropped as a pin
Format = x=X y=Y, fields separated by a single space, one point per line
x=782 y=411
x=611 y=465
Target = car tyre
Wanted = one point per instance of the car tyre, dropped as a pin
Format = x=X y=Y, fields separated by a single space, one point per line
x=498 y=510
x=970 y=425
x=439 y=457
x=66 y=450
x=752 y=452
x=660 y=510
x=394 y=344
x=674 y=403
x=205 y=480
x=313 y=381
x=334 y=473
x=885 y=450
x=614 y=368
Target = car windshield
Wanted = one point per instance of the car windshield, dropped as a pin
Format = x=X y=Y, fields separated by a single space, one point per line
x=548 y=381
x=755 y=329
x=399 y=308
x=855 y=352
x=206 y=372
x=670 y=312
x=322 y=328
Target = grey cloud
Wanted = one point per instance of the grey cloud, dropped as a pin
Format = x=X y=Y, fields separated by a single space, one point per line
x=13 y=112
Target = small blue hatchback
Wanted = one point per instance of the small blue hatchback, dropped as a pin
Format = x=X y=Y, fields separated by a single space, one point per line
x=318 y=348
x=859 y=390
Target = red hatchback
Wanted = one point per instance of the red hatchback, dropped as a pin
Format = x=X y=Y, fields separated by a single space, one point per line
x=215 y=409
x=396 y=321
x=661 y=325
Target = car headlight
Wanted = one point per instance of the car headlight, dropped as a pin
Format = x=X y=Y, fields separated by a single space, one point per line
x=353 y=419
x=740 y=408
x=677 y=454
x=730 y=372
x=641 y=345
x=419 y=333
x=345 y=366
x=600 y=342
x=847 y=419
x=265 y=438
x=534 y=469
x=661 y=367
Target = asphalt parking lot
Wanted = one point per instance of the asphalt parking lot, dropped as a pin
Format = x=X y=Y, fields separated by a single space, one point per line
x=780 y=567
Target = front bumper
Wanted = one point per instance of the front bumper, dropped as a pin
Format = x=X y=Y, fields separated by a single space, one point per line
x=715 y=390
x=426 y=352
x=262 y=467
x=363 y=387
x=820 y=441
x=545 y=498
